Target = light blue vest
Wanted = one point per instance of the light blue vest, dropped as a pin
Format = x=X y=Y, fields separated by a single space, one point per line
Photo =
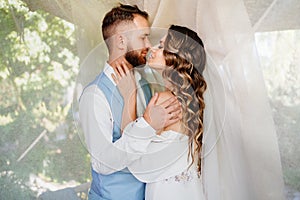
x=121 y=185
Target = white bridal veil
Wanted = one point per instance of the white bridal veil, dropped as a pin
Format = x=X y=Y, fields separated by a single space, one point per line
x=240 y=153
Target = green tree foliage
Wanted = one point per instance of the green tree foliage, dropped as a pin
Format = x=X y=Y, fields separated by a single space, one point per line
x=38 y=67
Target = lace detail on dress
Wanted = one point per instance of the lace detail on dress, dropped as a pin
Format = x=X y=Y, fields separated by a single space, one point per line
x=183 y=177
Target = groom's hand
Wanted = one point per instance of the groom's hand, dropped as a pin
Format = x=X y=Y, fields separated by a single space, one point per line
x=163 y=114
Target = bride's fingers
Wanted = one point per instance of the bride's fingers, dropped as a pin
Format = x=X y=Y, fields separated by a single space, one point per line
x=121 y=71
x=115 y=78
x=117 y=73
x=125 y=67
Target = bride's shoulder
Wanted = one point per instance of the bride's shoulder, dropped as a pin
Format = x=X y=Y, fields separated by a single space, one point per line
x=163 y=96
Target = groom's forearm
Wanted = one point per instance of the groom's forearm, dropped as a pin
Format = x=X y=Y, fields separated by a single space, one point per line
x=97 y=124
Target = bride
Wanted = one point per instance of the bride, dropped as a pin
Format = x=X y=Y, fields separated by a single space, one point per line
x=171 y=165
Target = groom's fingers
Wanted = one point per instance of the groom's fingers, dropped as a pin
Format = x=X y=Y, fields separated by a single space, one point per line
x=173 y=118
x=176 y=114
x=173 y=108
x=169 y=102
x=171 y=121
x=164 y=114
x=171 y=105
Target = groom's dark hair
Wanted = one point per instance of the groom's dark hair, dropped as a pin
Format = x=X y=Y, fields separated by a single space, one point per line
x=121 y=13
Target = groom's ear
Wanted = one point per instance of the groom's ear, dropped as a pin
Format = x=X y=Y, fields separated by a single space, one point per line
x=121 y=42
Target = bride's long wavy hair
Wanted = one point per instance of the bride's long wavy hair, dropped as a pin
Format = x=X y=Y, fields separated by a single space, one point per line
x=186 y=59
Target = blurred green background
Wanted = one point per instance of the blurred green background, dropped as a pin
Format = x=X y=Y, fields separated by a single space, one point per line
x=38 y=69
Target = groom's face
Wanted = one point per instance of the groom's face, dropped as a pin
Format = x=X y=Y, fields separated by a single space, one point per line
x=138 y=44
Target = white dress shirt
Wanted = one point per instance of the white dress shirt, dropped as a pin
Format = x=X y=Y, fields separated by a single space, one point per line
x=97 y=123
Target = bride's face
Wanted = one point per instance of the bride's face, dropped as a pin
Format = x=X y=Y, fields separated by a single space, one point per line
x=156 y=60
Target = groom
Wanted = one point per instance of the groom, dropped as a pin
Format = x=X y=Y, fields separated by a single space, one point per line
x=125 y=30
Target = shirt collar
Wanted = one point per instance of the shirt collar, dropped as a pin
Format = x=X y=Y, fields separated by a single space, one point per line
x=108 y=70
x=137 y=75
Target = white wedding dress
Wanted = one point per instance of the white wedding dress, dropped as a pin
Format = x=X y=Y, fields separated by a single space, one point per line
x=165 y=167
x=185 y=185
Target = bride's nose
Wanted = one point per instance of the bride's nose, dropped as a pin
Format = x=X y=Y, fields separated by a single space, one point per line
x=155 y=48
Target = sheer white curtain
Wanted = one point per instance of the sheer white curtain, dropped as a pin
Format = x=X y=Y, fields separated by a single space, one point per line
x=240 y=154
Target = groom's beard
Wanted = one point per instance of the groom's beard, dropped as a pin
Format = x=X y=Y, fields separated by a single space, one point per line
x=137 y=58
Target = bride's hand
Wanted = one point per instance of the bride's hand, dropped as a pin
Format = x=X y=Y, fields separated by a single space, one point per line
x=125 y=80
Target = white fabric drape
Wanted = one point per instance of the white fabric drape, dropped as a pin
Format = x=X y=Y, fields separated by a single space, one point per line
x=240 y=153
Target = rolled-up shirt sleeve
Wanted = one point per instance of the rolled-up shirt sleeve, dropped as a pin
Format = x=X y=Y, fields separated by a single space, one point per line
x=97 y=124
